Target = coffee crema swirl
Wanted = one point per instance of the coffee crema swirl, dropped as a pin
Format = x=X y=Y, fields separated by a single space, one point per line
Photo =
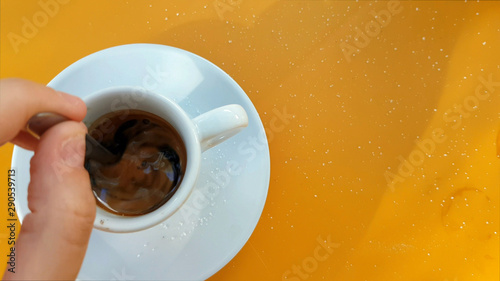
x=150 y=170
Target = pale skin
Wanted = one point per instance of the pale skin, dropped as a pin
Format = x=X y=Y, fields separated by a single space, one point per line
x=54 y=236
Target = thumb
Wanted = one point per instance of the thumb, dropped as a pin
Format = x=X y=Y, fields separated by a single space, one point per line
x=59 y=181
x=62 y=207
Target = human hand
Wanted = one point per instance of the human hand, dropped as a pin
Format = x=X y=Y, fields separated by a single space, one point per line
x=54 y=236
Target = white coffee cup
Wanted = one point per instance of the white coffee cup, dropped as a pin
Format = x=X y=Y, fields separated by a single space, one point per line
x=198 y=134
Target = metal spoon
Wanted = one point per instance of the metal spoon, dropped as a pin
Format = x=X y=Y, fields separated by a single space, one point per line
x=41 y=122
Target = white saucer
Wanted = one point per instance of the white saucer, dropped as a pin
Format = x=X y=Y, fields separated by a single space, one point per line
x=204 y=235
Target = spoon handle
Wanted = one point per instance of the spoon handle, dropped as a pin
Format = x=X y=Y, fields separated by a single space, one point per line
x=41 y=122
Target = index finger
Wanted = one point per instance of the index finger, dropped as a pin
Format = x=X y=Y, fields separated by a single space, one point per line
x=21 y=99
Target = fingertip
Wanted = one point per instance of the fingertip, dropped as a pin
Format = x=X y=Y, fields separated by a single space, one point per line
x=80 y=127
x=22 y=99
x=64 y=142
x=76 y=104
x=72 y=153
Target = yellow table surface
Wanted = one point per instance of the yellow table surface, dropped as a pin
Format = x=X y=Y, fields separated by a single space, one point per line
x=391 y=156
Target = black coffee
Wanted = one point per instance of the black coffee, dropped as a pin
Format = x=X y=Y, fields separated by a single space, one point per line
x=150 y=170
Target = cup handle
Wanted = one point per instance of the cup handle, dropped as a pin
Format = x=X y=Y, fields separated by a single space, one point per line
x=220 y=124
